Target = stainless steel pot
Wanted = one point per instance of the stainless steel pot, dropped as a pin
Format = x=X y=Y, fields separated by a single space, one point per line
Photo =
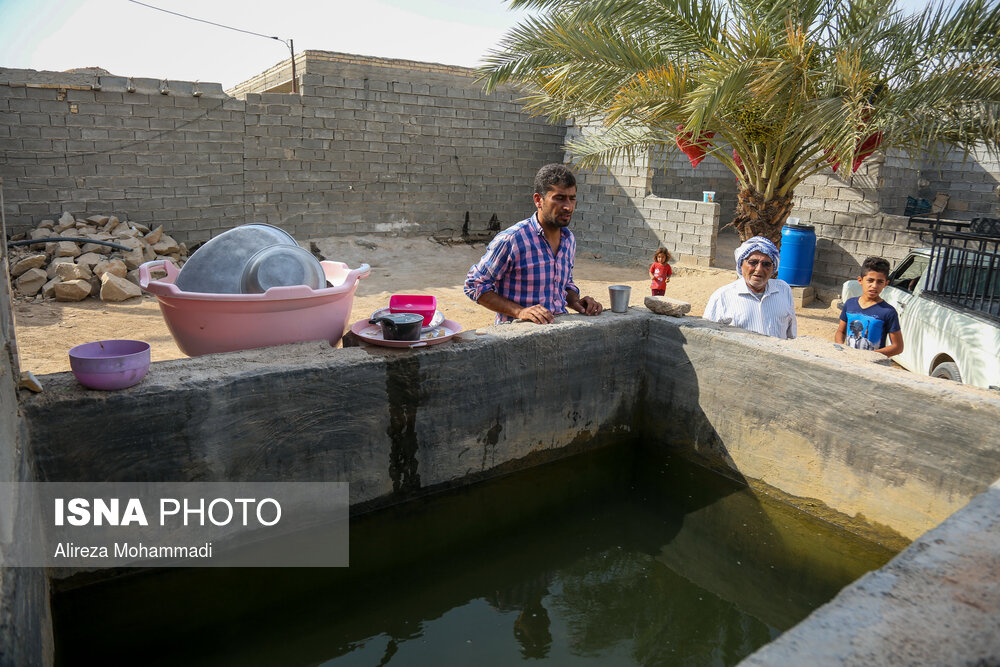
x=217 y=267
x=279 y=266
x=400 y=326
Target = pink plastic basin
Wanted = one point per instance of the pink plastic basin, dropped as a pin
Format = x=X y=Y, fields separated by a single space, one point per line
x=414 y=303
x=204 y=323
x=110 y=364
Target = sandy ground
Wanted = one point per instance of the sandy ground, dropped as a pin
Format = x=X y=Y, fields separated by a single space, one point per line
x=47 y=330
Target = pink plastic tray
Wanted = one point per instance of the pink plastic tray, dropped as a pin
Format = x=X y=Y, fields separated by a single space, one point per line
x=205 y=323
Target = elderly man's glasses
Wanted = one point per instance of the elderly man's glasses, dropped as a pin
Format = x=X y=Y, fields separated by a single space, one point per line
x=764 y=264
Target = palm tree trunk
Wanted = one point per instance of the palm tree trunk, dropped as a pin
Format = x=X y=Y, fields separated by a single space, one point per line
x=757 y=217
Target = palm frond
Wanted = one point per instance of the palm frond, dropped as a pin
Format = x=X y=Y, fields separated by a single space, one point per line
x=791 y=85
x=614 y=143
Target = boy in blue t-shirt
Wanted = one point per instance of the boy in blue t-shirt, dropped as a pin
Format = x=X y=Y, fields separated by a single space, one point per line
x=871 y=321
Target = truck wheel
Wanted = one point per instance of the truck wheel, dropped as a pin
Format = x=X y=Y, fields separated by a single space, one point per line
x=947 y=370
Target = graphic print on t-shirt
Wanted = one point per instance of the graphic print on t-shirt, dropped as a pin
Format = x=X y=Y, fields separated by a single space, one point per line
x=864 y=332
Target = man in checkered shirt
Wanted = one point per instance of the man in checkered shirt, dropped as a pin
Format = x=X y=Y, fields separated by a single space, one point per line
x=527 y=271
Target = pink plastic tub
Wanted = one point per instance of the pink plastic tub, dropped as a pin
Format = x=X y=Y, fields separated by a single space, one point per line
x=414 y=303
x=205 y=323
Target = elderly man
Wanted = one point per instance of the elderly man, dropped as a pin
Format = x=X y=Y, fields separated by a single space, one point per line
x=756 y=300
x=527 y=271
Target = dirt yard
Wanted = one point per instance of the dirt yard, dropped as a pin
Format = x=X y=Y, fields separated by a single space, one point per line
x=47 y=330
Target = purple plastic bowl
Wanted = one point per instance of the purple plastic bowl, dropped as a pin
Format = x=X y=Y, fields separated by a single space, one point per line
x=110 y=364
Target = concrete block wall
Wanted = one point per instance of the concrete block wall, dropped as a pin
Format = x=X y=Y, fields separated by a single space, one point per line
x=855 y=215
x=371 y=147
x=675 y=178
x=861 y=214
x=159 y=152
x=973 y=181
x=374 y=145
x=619 y=218
x=850 y=224
x=900 y=178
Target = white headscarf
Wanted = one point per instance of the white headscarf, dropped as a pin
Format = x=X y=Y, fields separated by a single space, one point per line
x=757 y=244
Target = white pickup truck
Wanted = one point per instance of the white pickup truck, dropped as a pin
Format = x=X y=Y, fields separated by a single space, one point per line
x=940 y=337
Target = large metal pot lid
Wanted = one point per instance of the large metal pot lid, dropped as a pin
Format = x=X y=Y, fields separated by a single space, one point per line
x=217 y=267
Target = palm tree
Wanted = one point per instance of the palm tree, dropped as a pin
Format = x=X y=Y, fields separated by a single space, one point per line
x=776 y=90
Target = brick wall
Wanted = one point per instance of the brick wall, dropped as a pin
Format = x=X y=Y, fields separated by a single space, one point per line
x=621 y=219
x=674 y=177
x=859 y=214
x=374 y=145
x=368 y=146
x=850 y=224
x=87 y=144
x=972 y=181
x=899 y=179
x=371 y=147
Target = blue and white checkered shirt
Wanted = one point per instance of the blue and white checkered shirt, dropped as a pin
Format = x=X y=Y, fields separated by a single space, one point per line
x=772 y=315
x=519 y=265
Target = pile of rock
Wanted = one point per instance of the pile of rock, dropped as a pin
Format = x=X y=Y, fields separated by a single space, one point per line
x=75 y=268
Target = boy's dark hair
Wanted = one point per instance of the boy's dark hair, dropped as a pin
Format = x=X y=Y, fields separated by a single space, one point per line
x=876 y=264
x=552 y=175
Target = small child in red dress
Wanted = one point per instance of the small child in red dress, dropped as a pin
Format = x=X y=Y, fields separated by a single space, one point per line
x=660 y=271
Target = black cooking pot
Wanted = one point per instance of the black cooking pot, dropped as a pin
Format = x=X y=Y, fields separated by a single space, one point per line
x=399 y=326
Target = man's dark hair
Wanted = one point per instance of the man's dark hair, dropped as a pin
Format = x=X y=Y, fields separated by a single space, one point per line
x=876 y=264
x=552 y=175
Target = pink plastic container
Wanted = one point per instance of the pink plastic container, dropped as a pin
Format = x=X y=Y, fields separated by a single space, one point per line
x=110 y=364
x=205 y=323
x=414 y=303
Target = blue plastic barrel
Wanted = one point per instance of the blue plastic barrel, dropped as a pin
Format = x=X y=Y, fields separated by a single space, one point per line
x=798 y=247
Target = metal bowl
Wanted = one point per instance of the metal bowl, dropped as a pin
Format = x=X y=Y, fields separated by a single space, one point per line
x=281 y=266
x=217 y=267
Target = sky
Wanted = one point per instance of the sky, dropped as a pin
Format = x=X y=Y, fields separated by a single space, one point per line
x=129 y=39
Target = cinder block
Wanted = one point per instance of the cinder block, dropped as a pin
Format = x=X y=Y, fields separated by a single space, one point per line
x=803 y=296
x=23 y=105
